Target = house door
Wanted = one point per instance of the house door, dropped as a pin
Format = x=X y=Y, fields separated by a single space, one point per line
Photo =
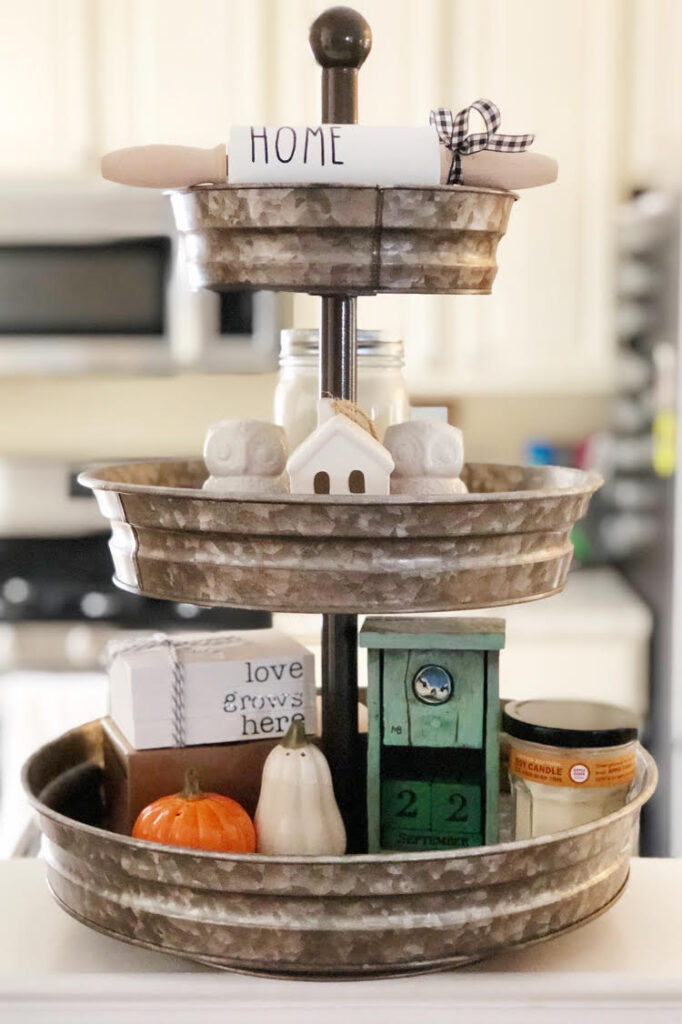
x=321 y=482
x=356 y=482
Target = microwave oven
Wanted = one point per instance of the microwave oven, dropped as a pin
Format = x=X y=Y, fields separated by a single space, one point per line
x=92 y=279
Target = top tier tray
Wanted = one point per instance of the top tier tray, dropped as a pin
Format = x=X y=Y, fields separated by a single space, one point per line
x=343 y=240
x=506 y=541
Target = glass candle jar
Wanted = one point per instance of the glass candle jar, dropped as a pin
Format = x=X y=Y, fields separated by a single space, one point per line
x=570 y=762
x=382 y=393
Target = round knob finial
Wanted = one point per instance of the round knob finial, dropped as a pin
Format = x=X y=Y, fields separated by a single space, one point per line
x=340 y=38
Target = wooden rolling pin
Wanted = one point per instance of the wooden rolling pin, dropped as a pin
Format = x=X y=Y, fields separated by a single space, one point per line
x=489 y=169
x=166 y=166
x=181 y=166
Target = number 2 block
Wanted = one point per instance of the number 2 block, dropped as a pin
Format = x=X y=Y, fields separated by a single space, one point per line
x=406 y=804
x=455 y=808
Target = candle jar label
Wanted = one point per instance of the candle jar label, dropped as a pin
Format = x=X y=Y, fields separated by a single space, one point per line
x=588 y=771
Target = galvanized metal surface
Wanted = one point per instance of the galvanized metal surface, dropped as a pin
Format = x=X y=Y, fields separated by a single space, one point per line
x=359 y=916
x=506 y=541
x=343 y=240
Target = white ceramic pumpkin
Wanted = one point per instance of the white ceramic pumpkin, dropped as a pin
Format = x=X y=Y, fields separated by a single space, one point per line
x=297 y=812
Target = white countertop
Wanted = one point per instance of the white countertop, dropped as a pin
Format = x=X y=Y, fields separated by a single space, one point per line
x=596 y=602
x=590 y=642
x=624 y=967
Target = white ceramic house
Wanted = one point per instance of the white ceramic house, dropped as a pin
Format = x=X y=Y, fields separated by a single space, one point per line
x=339 y=457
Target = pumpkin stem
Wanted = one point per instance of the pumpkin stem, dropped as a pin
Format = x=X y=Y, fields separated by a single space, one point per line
x=192 y=789
x=295 y=736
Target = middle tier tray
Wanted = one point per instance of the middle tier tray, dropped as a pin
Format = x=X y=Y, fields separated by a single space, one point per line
x=506 y=541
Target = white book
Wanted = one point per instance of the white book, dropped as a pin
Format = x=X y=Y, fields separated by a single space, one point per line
x=245 y=686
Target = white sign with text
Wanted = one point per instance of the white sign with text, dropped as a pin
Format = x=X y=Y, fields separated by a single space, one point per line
x=334 y=154
x=252 y=689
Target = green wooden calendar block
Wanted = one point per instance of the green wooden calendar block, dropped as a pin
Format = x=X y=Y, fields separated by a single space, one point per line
x=424 y=816
x=441 y=811
x=433 y=734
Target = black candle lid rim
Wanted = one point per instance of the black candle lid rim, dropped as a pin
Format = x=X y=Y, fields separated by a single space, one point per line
x=517 y=726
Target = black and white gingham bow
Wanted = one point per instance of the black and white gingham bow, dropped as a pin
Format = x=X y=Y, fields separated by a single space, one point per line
x=452 y=132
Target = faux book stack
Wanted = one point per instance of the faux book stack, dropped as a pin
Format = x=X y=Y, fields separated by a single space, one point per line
x=217 y=703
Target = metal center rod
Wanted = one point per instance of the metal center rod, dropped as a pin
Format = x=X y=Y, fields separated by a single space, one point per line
x=338 y=347
x=340 y=39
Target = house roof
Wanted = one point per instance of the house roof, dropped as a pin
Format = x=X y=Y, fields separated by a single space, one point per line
x=362 y=441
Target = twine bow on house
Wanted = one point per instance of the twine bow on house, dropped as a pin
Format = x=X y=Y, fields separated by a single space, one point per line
x=353 y=412
x=452 y=133
x=161 y=641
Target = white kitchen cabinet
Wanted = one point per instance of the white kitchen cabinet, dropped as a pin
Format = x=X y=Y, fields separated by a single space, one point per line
x=36 y=707
x=179 y=71
x=654 y=97
x=555 y=70
x=46 y=99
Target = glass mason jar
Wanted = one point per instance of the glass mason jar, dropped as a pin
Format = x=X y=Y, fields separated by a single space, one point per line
x=382 y=393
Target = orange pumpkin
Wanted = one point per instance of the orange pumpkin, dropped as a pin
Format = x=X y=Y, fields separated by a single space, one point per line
x=205 y=821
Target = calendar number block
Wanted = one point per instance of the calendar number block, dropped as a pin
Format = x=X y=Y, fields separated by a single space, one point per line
x=455 y=808
x=427 y=815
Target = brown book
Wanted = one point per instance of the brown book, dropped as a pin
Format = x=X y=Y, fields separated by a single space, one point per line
x=134 y=778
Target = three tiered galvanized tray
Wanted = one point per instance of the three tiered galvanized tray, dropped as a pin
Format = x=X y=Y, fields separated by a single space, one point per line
x=507 y=540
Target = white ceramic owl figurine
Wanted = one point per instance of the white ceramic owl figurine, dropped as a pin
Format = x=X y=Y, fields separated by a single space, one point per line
x=428 y=457
x=246 y=457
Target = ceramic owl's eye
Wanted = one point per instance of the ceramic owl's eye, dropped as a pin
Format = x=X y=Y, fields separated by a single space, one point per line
x=224 y=449
x=444 y=451
x=408 y=456
x=405 y=446
x=269 y=453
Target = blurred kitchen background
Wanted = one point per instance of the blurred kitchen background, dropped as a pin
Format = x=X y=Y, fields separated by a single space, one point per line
x=105 y=353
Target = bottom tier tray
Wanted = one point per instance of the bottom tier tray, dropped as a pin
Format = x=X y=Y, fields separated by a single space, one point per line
x=508 y=540
x=356 y=916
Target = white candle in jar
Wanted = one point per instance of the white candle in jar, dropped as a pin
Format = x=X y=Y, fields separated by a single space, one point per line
x=571 y=762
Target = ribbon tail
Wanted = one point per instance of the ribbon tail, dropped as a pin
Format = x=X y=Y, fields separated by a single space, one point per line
x=455 y=172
